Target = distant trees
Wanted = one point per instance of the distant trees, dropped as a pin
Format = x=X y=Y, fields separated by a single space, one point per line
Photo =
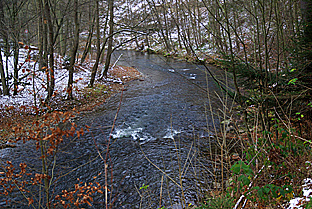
x=99 y=49
x=11 y=29
x=55 y=27
x=306 y=6
x=3 y=37
x=257 y=37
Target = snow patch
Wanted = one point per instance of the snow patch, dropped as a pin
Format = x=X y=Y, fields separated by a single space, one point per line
x=307 y=194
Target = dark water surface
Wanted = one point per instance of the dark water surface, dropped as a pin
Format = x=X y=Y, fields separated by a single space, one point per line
x=163 y=116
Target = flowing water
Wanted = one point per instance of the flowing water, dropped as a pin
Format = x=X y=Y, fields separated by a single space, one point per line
x=163 y=117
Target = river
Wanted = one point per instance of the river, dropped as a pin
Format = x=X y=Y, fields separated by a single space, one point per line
x=164 y=117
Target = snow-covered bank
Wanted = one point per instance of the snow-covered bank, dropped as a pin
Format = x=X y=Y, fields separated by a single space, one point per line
x=32 y=89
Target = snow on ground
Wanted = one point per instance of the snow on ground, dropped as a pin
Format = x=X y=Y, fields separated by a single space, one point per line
x=33 y=85
x=33 y=88
x=307 y=194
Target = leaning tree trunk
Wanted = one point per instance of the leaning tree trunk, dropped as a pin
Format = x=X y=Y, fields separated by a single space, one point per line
x=73 y=54
x=99 y=51
x=90 y=33
x=110 y=40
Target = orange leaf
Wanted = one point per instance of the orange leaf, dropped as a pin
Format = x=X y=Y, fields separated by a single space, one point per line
x=88 y=203
x=30 y=201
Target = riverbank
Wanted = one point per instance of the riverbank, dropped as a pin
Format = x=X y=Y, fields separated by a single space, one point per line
x=153 y=113
x=19 y=111
x=148 y=109
x=274 y=176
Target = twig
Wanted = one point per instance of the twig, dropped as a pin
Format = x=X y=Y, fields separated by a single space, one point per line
x=102 y=73
x=161 y=186
x=303 y=139
x=107 y=150
x=160 y=169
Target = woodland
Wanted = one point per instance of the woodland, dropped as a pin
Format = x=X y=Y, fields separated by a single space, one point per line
x=263 y=146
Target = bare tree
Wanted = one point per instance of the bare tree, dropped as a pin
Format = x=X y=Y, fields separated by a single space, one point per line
x=3 y=78
x=73 y=53
x=111 y=36
x=2 y=36
x=92 y=18
x=49 y=23
x=99 y=50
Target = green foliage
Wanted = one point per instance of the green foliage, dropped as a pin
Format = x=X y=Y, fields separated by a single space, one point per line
x=308 y=204
x=270 y=190
x=299 y=115
x=144 y=186
x=218 y=202
x=242 y=175
x=241 y=168
x=292 y=81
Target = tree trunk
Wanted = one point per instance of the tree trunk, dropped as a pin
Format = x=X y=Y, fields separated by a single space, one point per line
x=306 y=6
x=15 y=76
x=51 y=79
x=73 y=54
x=16 y=50
x=90 y=33
x=3 y=78
x=98 y=49
x=40 y=33
x=88 y=44
x=2 y=36
x=110 y=38
x=98 y=32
